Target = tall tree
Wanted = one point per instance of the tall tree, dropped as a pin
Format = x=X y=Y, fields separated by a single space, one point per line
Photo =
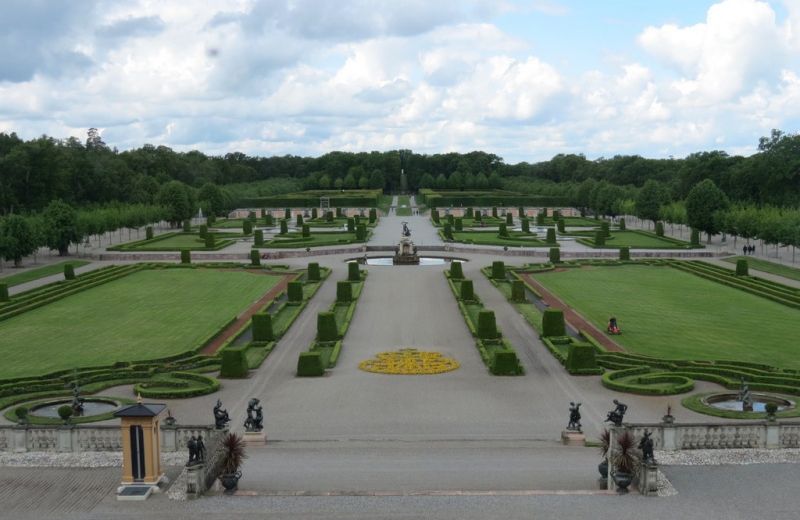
x=702 y=203
x=175 y=197
x=19 y=239
x=649 y=200
x=61 y=226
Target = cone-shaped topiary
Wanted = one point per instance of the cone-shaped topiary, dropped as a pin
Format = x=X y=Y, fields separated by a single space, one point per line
x=326 y=327
x=503 y=230
x=600 y=238
x=498 y=270
x=262 y=327
x=203 y=231
x=555 y=255
x=605 y=226
x=309 y=364
x=69 y=272
x=659 y=229
x=187 y=225
x=313 y=272
x=448 y=231
x=435 y=216
x=306 y=231
x=509 y=219
x=456 y=271
x=742 y=269
x=459 y=224
x=351 y=225
x=234 y=363
x=526 y=225
x=4 y=292
x=255 y=258
x=551 y=236
x=622 y=224
x=186 y=256
x=580 y=357
x=561 y=226
x=487 y=326
x=625 y=253
x=148 y=233
x=258 y=238
x=299 y=220
x=361 y=232
x=553 y=323
x=247 y=227
x=556 y=215
x=467 y=293
x=344 y=291
x=284 y=226
x=287 y=213
x=695 y=240
x=269 y=220
x=211 y=241
x=353 y=273
x=506 y=363
x=540 y=218
x=294 y=291
x=518 y=291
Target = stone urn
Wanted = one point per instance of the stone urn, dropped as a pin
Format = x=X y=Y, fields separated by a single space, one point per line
x=622 y=480
x=230 y=482
x=603 y=469
x=668 y=419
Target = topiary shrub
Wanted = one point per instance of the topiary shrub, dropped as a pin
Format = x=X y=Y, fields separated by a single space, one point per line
x=742 y=269
x=269 y=220
x=466 y=291
x=526 y=225
x=561 y=226
x=555 y=255
x=498 y=270
x=203 y=231
x=284 y=226
x=580 y=357
x=509 y=219
x=251 y=216
x=459 y=224
x=503 y=230
x=210 y=240
x=456 y=271
x=234 y=363
x=262 y=327
x=287 y=213
x=4 y=292
x=540 y=218
x=186 y=256
x=361 y=232
x=357 y=219
x=309 y=364
x=487 y=326
x=435 y=216
x=556 y=215
x=353 y=273
x=625 y=253
x=211 y=219
x=622 y=224
x=695 y=240
x=259 y=237
x=329 y=216
x=21 y=413
x=478 y=215
x=255 y=258
x=448 y=231
x=351 y=225
x=294 y=290
x=339 y=212
x=326 y=327
x=470 y=213
x=148 y=233
x=659 y=229
x=69 y=272
x=494 y=212
x=344 y=291
x=451 y=219
x=506 y=363
x=313 y=212
x=553 y=323
x=605 y=227
x=551 y=236
x=373 y=215
x=65 y=412
x=313 y=272
x=306 y=231
x=518 y=291
x=600 y=238
x=187 y=225
x=299 y=221
x=521 y=212
x=247 y=227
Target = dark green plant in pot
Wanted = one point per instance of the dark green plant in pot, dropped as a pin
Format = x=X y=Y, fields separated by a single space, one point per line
x=625 y=460
x=232 y=457
x=65 y=412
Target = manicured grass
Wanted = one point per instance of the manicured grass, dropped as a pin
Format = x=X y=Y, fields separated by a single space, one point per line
x=636 y=240
x=403 y=206
x=41 y=272
x=324 y=238
x=492 y=238
x=233 y=223
x=177 y=242
x=667 y=313
x=146 y=315
x=793 y=273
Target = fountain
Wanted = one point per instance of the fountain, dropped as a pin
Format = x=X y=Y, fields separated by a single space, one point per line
x=744 y=401
x=406 y=253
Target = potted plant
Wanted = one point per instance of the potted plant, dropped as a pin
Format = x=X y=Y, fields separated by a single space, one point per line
x=65 y=412
x=21 y=413
x=605 y=443
x=624 y=460
x=232 y=456
x=668 y=418
x=169 y=420
x=771 y=408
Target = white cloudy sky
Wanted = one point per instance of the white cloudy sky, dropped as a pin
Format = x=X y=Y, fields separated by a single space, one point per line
x=525 y=79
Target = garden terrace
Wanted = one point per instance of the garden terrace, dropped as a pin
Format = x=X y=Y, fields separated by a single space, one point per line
x=492 y=238
x=41 y=272
x=178 y=241
x=635 y=239
x=315 y=239
x=766 y=266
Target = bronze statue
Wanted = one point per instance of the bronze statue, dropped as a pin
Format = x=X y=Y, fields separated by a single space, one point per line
x=193 y=451
x=201 y=449
x=406 y=231
x=574 y=417
x=646 y=445
x=220 y=416
x=255 y=418
x=615 y=416
x=77 y=402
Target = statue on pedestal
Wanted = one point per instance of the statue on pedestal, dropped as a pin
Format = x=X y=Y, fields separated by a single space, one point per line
x=255 y=417
x=220 y=416
x=574 y=417
x=615 y=416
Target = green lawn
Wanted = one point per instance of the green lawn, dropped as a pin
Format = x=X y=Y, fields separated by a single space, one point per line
x=146 y=315
x=667 y=313
x=41 y=272
x=403 y=206
x=492 y=238
x=323 y=238
x=793 y=273
x=177 y=242
x=635 y=240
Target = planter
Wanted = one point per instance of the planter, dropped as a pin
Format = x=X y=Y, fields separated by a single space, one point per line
x=170 y=421
x=668 y=419
x=603 y=469
x=230 y=482
x=622 y=480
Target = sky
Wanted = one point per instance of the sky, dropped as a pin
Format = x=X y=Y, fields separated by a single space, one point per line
x=522 y=79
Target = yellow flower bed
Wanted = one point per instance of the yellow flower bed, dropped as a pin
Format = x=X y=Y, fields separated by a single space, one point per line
x=409 y=361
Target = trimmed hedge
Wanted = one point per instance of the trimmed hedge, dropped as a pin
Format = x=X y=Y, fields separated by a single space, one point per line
x=742 y=268
x=487 y=325
x=518 y=291
x=186 y=256
x=466 y=292
x=234 y=363
x=503 y=230
x=284 y=226
x=258 y=239
x=580 y=358
x=187 y=225
x=622 y=224
x=506 y=363
x=344 y=291
x=695 y=240
x=353 y=273
x=551 y=236
x=255 y=258
x=4 y=292
x=294 y=291
x=498 y=270
x=148 y=233
x=247 y=227
x=555 y=255
x=600 y=238
x=326 y=327
x=262 y=327
x=203 y=231
x=605 y=228
x=625 y=253
x=69 y=272
x=456 y=270
x=309 y=364
x=526 y=225
x=659 y=229
x=210 y=240
x=313 y=272
x=553 y=323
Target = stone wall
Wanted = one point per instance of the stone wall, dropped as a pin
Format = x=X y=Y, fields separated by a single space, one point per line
x=695 y=436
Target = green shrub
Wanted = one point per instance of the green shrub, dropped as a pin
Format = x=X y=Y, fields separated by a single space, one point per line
x=526 y=225
x=509 y=219
x=339 y=212
x=313 y=272
x=498 y=270
x=494 y=212
x=287 y=213
x=659 y=229
x=186 y=256
x=294 y=290
x=456 y=271
x=247 y=227
x=742 y=268
x=695 y=240
x=148 y=233
x=309 y=364
x=518 y=291
x=478 y=215
x=210 y=219
x=606 y=228
x=361 y=232
x=556 y=215
x=210 y=240
x=326 y=327
x=580 y=357
x=600 y=238
x=269 y=220
x=561 y=226
x=21 y=413
x=284 y=226
x=467 y=293
x=506 y=363
x=234 y=363
x=69 y=272
x=203 y=231
x=551 y=236
x=255 y=258
x=470 y=213
x=448 y=231
x=553 y=323
x=351 y=225
x=555 y=255
x=299 y=221
x=306 y=231
x=487 y=326
x=624 y=253
x=451 y=219
x=65 y=412
x=373 y=215
x=329 y=216
x=314 y=213
x=4 y=292
x=503 y=230
x=344 y=291
x=435 y=216
x=459 y=224
x=262 y=327
x=259 y=237
x=622 y=224
x=187 y=225
x=251 y=216
x=353 y=273
x=540 y=217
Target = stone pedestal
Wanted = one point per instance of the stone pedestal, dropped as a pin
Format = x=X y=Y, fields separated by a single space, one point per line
x=648 y=479
x=65 y=438
x=255 y=438
x=573 y=438
x=195 y=481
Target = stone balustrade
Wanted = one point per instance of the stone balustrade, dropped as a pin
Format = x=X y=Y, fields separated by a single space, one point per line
x=699 y=436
